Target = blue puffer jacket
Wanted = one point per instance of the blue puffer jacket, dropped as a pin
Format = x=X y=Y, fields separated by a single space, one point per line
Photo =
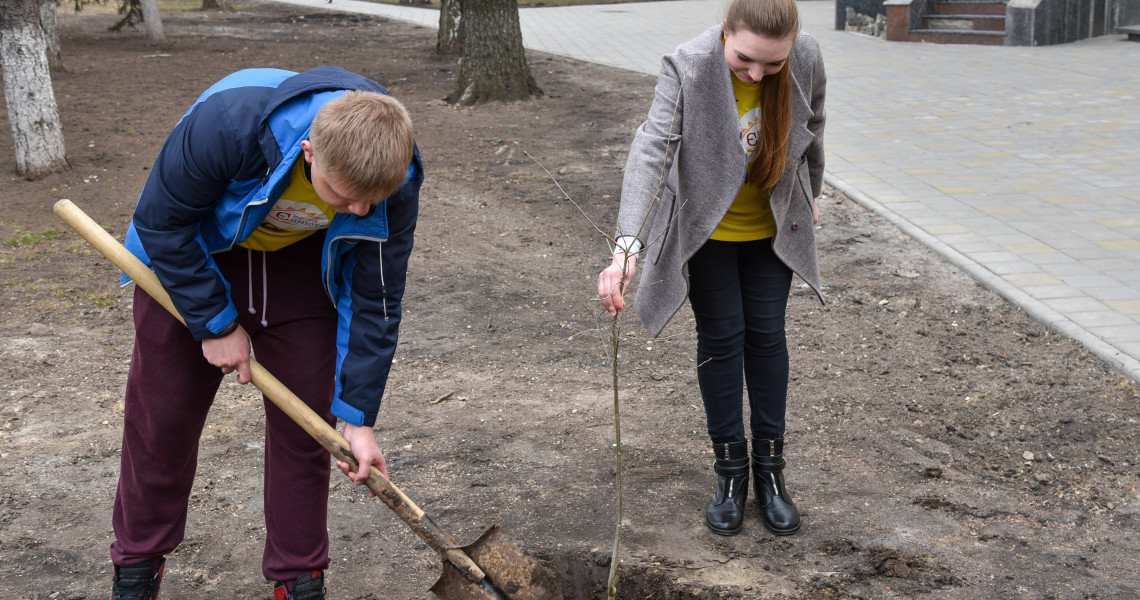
x=217 y=176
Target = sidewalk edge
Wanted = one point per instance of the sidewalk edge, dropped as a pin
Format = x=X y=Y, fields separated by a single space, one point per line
x=1116 y=358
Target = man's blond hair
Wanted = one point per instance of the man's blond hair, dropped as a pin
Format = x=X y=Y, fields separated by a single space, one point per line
x=363 y=140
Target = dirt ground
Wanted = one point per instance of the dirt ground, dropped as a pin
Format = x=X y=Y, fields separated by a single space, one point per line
x=940 y=444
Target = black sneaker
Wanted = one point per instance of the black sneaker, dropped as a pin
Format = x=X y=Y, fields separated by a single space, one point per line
x=138 y=582
x=310 y=586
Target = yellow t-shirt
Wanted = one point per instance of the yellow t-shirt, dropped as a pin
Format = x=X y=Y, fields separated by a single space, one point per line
x=298 y=213
x=750 y=216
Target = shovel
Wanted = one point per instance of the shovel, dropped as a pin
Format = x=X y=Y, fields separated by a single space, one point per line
x=492 y=568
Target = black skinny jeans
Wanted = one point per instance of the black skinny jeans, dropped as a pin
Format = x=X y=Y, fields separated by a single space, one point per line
x=739 y=295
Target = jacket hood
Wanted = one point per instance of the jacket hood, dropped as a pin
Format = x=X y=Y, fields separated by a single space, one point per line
x=301 y=88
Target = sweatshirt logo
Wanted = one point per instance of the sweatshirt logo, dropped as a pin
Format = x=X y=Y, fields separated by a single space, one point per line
x=750 y=133
x=296 y=216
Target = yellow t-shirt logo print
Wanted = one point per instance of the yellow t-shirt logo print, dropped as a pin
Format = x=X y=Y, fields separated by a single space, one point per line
x=298 y=213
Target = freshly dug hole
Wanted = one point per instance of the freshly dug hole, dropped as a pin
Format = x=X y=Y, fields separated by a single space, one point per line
x=584 y=577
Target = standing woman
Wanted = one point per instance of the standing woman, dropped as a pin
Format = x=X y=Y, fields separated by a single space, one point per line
x=736 y=129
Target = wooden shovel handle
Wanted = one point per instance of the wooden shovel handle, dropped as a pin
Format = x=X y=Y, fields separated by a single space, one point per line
x=287 y=401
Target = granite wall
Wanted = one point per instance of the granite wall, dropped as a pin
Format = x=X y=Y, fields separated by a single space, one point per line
x=1045 y=22
x=871 y=8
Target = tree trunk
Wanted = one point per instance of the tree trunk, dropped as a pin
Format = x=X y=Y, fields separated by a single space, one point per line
x=152 y=20
x=450 y=38
x=32 y=111
x=51 y=34
x=494 y=63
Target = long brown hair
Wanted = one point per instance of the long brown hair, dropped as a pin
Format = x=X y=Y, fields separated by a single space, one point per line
x=777 y=20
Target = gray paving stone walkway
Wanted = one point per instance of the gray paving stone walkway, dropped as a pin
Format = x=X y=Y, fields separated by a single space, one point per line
x=1019 y=165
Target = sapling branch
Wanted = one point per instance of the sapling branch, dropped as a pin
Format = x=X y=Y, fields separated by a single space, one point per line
x=567 y=196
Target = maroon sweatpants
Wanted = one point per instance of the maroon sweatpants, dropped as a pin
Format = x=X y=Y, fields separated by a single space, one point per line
x=170 y=389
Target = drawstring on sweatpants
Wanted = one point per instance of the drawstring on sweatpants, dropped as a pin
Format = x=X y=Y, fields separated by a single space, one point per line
x=264 y=286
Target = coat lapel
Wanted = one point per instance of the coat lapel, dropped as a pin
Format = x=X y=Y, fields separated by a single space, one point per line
x=717 y=168
x=800 y=137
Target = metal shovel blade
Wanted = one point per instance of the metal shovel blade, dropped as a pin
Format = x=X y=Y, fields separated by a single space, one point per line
x=512 y=573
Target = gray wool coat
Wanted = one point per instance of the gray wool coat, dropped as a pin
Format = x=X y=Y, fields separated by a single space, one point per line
x=692 y=133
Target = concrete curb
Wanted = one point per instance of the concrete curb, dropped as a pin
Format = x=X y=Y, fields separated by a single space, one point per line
x=1037 y=311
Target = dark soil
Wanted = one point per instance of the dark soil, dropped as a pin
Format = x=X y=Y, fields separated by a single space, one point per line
x=940 y=444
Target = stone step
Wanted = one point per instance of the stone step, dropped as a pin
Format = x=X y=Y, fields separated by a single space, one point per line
x=964 y=22
x=969 y=7
x=958 y=36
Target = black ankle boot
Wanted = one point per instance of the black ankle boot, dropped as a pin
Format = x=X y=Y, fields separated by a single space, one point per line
x=725 y=515
x=781 y=516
